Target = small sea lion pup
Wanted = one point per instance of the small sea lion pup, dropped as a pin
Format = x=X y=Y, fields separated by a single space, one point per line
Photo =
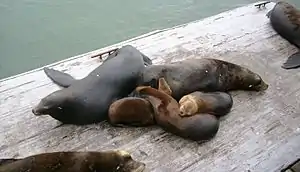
x=87 y=100
x=206 y=74
x=109 y=161
x=134 y=111
x=198 y=127
x=285 y=20
x=214 y=103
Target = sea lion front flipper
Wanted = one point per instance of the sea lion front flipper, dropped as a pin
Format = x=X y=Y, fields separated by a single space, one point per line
x=155 y=93
x=164 y=86
x=292 y=62
x=59 y=78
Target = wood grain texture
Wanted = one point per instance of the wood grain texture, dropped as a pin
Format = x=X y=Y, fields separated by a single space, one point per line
x=261 y=133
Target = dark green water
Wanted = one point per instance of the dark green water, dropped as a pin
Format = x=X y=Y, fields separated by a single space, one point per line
x=38 y=32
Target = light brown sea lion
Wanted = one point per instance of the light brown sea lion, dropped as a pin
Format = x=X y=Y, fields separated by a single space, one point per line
x=198 y=127
x=109 y=161
x=207 y=75
x=215 y=103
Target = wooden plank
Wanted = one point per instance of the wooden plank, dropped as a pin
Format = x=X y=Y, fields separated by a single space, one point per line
x=262 y=132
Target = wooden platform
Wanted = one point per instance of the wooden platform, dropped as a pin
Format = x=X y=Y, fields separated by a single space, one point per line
x=261 y=134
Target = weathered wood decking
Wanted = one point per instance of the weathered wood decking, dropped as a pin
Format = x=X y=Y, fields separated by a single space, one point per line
x=261 y=134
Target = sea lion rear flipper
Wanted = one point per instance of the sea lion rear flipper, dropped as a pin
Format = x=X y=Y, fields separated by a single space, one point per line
x=292 y=62
x=147 y=60
x=59 y=78
x=7 y=161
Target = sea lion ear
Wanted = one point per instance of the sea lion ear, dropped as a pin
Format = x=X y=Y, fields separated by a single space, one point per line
x=140 y=88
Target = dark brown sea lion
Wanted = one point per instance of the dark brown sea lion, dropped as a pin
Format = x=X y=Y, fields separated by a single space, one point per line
x=215 y=103
x=87 y=100
x=207 y=75
x=131 y=111
x=109 y=161
x=198 y=127
x=135 y=111
x=285 y=20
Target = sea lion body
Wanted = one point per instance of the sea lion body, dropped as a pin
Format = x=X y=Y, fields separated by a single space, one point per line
x=131 y=111
x=207 y=75
x=87 y=100
x=110 y=161
x=198 y=127
x=285 y=20
x=135 y=110
x=214 y=103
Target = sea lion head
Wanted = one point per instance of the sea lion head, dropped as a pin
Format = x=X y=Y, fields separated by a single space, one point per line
x=57 y=104
x=132 y=111
x=150 y=76
x=188 y=105
x=128 y=164
x=248 y=80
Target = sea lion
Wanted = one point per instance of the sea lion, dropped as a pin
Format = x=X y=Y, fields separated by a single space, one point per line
x=215 y=103
x=108 y=161
x=131 y=111
x=87 y=100
x=285 y=20
x=136 y=110
x=198 y=127
x=207 y=75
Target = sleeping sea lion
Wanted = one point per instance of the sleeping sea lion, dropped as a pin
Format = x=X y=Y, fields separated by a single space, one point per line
x=87 y=100
x=109 y=161
x=285 y=20
x=131 y=111
x=198 y=127
x=136 y=110
x=215 y=103
x=207 y=75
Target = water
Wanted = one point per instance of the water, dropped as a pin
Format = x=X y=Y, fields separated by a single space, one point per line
x=38 y=32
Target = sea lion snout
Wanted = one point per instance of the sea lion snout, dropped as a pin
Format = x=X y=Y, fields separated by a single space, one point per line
x=261 y=86
x=134 y=166
x=38 y=110
x=35 y=112
x=130 y=164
